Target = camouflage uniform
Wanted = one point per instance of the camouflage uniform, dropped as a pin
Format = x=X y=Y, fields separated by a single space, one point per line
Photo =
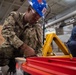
x=16 y=33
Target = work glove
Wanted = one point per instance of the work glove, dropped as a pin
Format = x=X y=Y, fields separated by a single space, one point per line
x=28 y=51
x=12 y=66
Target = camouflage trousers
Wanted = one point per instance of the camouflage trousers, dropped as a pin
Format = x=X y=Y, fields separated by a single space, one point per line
x=7 y=53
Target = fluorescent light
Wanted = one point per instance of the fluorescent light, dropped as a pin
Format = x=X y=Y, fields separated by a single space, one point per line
x=70 y=1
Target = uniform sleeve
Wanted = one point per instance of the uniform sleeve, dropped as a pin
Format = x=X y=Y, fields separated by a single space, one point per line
x=40 y=38
x=9 y=34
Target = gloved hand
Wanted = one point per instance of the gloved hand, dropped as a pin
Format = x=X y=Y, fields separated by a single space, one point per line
x=12 y=66
x=28 y=51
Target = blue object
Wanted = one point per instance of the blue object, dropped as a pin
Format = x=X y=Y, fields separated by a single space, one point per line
x=73 y=34
x=40 y=6
x=72 y=42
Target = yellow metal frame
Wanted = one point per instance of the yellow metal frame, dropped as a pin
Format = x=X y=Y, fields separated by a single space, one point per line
x=47 y=48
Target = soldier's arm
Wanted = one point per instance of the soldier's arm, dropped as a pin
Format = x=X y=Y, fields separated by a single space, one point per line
x=9 y=34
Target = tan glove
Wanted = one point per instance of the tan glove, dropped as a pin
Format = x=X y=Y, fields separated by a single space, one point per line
x=28 y=51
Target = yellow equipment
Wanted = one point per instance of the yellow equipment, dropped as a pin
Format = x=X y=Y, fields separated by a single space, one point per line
x=53 y=65
x=47 y=48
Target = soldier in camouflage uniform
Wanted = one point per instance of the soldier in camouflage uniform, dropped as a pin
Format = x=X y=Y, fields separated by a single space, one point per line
x=22 y=34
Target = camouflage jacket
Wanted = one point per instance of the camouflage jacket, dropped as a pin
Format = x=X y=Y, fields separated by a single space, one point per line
x=16 y=33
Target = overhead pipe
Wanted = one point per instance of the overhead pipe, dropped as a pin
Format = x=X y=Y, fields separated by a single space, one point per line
x=60 y=19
